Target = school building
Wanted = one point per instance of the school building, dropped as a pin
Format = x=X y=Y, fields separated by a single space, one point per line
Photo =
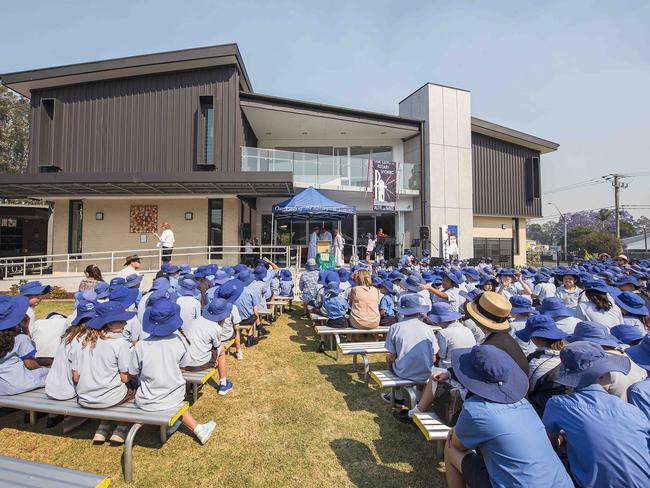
x=119 y=146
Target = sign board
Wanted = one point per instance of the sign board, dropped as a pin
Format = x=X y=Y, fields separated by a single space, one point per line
x=384 y=185
x=450 y=241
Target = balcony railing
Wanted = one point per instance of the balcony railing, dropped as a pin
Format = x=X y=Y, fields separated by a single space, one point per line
x=325 y=171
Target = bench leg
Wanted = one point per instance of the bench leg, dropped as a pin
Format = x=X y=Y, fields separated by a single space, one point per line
x=163 y=434
x=412 y=397
x=354 y=360
x=438 y=449
x=366 y=368
x=128 y=452
x=392 y=398
x=195 y=393
x=33 y=416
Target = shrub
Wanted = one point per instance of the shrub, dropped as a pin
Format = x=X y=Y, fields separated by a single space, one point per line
x=15 y=288
x=58 y=293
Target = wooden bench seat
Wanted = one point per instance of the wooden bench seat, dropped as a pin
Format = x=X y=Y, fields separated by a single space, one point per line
x=196 y=379
x=28 y=474
x=37 y=401
x=432 y=429
x=362 y=349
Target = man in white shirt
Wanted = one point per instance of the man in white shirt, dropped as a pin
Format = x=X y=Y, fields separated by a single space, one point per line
x=131 y=266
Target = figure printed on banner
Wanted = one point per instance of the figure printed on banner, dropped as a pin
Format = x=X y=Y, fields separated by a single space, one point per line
x=450 y=241
x=384 y=185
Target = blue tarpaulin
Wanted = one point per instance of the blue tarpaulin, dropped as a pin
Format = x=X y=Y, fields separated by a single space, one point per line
x=310 y=204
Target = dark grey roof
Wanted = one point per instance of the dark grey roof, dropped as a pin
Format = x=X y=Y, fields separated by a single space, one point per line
x=511 y=135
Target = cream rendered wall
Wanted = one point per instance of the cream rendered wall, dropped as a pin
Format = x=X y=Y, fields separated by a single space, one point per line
x=490 y=227
x=59 y=236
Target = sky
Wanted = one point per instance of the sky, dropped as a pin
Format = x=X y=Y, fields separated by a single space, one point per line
x=576 y=73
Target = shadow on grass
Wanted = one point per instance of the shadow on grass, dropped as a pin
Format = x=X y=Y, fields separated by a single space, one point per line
x=306 y=337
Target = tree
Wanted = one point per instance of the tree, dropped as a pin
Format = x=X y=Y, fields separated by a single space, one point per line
x=603 y=215
x=602 y=242
x=577 y=236
x=627 y=230
x=14 y=131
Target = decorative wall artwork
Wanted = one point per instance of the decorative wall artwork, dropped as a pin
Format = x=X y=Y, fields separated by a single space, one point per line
x=143 y=219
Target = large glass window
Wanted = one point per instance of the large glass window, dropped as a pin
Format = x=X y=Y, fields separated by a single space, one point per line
x=206 y=131
x=75 y=226
x=500 y=250
x=215 y=225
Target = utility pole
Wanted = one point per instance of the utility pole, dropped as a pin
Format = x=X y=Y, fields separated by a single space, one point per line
x=617 y=183
x=564 y=219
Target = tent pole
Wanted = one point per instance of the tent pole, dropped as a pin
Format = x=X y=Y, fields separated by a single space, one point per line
x=354 y=236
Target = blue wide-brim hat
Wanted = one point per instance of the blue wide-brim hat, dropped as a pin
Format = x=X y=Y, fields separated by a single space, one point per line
x=455 y=276
x=260 y=273
x=230 y=290
x=33 y=288
x=87 y=295
x=597 y=286
x=185 y=269
x=640 y=353
x=541 y=326
x=220 y=277
x=626 y=333
x=412 y=283
x=627 y=280
x=187 y=288
x=218 y=310
x=162 y=319
x=472 y=273
x=12 y=310
x=490 y=373
x=376 y=280
x=161 y=283
x=488 y=279
x=470 y=295
x=506 y=272
x=390 y=289
x=133 y=280
x=411 y=305
x=582 y=363
x=595 y=333
x=169 y=268
x=85 y=310
x=285 y=275
x=246 y=277
x=117 y=281
x=521 y=304
x=541 y=278
x=554 y=307
x=631 y=303
x=333 y=287
x=109 y=312
x=395 y=275
x=311 y=265
x=102 y=290
x=442 y=312
x=124 y=295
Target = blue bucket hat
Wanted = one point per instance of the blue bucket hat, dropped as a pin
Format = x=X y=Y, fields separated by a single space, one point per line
x=230 y=290
x=627 y=280
x=412 y=283
x=108 y=312
x=117 y=281
x=506 y=272
x=640 y=353
x=169 y=268
x=390 y=289
x=472 y=273
x=34 y=288
x=124 y=295
x=343 y=273
x=240 y=267
x=455 y=276
x=626 y=333
x=102 y=290
x=185 y=269
x=161 y=294
x=395 y=275
x=311 y=265
x=376 y=280
x=220 y=277
x=328 y=277
x=285 y=275
x=85 y=310
x=218 y=310
x=201 y=271
x=470 y=295
x=12 y=310
x=260 y=273
x=246 y=277
x=87 y=295
x=631 y=303
x=582 y=363
x=187 y=288
x=490 y=373
x=133 y=280
x=597 y=286
x=541 y=278
x=162 y=319
x=161 y=283
x=554 y=307
x=411 y=305
x=522 y=304
x=442 y=312
x=489 y=279
x=541 y=326
x=428 y=277
x=333 y=287
x=593 y=332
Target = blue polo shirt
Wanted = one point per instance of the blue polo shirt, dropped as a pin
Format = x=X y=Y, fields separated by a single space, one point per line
x=247 y=301
x=639 y=394
x=386 y=303
x=513 y=444
x=414 y=345
x=607 y=439
x=335 y=306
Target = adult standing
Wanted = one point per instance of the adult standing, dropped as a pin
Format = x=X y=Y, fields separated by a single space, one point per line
x=364 y=302
x=325 y=235
x=166 y=242
x=370 y=247
x=313 y=240
x=337 y=248
x=131 y=266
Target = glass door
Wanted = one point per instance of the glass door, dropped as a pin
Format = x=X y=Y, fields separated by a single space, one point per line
x=215 y=225
x=75 y=226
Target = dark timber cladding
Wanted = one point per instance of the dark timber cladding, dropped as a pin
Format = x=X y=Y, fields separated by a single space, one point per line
x=499 y=178
x=141 y=124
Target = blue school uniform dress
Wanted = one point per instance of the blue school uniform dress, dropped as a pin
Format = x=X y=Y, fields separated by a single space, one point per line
x=386 y=303
x=513 y=444
x=639 y=394
x=14 y=376
x=607 y=439
x=335 y=306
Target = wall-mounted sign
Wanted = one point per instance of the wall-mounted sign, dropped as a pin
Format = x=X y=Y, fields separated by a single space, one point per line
x=384 y=185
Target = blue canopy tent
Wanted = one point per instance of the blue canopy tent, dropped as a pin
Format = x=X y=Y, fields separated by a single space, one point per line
x=310 y=204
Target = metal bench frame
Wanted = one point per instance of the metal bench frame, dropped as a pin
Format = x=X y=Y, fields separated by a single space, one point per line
x=361 y=349
x=196 y=379
x=30 y=473
x=433 y=430
x=387 y=379
x=335 y=334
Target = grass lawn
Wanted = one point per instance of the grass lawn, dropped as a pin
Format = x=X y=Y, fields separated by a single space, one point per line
x=294 y=418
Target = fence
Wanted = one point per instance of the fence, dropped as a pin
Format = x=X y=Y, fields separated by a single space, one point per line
x=151 y=259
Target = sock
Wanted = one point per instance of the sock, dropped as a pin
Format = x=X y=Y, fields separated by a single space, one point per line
x=223 y=381
x=414 y=411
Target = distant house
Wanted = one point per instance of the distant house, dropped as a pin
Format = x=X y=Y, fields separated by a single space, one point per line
x=636 y=245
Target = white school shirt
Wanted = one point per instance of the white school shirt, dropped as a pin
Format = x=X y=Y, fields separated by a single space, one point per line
x=133 y=330
x=479 y=335
x=371 y=245
x=518 y=324
x=630 y=320
x=570 y=298
x=59 y=384
x=587 y=311
x=32 y=317
x=46 y=334
x=544 y=290
x=567 y=324
x=538 y=367
x=167 y=239
x=142 y=305
x=203 y=336
x=14 y=376
x=228 y=326
x=454 y=336
x=190 y=308
x=158 y=362
x=99 y=369
x=620 y=382
x=126 y=271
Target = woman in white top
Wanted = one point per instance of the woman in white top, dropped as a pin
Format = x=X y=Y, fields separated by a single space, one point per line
x=166 y=242
x=599 y=307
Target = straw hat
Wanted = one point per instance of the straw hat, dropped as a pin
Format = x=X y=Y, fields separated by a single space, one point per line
x=491 y=310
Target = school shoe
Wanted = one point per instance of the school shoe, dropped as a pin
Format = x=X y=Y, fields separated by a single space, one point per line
x=204 y=431
x=262 y=331
x=403 y=416
x=240 y=355
x=387 y=397
x=225 y=389
x=120 y=433
x=321 y=347
x=102 y=432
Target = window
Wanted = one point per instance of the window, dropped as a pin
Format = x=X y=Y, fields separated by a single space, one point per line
x=532 y=178
x=500 y=250
x=75 y=226
x=205 y=149
x=46 y=134
x=215 y=225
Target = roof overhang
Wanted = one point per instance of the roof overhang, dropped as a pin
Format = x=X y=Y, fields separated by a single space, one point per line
x=514 y=136
x=48 y=185
x=275 y=118
x=24 y=82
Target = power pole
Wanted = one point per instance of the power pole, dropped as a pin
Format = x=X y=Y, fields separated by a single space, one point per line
x=617 y=183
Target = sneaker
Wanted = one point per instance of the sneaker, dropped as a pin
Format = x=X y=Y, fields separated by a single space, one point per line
x=387 y=397
x=262 y=331
x=119 y=434
x=102 y=432
x=224 y=389
x=204 y=431
x=240 y=355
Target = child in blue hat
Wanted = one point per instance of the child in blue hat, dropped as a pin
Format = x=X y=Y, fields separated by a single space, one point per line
x=34 y=291
x=286 y=286
x=19 y=370
x=598 y=305
x=387 y=304
x=634 y=308
x=189 y=300
x=639 y=393
x=334 y=306
x=522 y=309
x=158 y=360
x=568 y=291
x=453 y=335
